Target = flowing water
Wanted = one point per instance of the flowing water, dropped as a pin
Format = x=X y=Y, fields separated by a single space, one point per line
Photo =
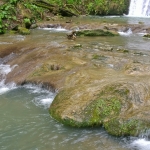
x=139 y=8
x=25 y=122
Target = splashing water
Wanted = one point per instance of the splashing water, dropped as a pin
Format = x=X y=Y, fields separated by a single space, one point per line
x=44 y=97
x=140 y=144
x=4 y=70
x=127 y=33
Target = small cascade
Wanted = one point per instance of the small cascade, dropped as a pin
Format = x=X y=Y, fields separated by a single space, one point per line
x=126 y=33
x=139 y=8
x=4 y=70
x=142 y=142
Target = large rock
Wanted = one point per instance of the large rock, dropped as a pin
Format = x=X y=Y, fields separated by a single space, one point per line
x=96 y=32
x=121 y=107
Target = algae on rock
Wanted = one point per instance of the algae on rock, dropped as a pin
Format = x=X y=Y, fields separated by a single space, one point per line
x=110 y=107
x=96 y=32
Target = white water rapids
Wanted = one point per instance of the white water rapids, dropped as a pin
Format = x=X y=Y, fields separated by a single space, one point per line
x=139 y=8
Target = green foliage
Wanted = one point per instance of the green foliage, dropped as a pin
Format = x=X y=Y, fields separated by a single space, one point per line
x=7 y=14
x=2 y=30
x=27 y=22
x=31 y=6
x=14 y=2
x=12 y=9
x=90 y=7
x=97 y=7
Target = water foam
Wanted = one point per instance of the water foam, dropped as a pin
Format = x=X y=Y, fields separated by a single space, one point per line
x=140 y=144
x=4 y=70
x=43 y=96
x=44 y=102
x=6 y=87
x=5 y=43
x=127 y=33
x=58 y=29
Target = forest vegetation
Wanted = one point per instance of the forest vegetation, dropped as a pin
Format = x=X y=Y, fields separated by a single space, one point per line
x=14 y=13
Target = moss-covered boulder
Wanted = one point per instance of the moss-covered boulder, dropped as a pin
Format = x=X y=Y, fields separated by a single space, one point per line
x=23 y=31
x=97 y=32
x=118 y=107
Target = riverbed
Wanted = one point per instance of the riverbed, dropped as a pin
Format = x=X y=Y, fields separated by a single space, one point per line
x=25 y=120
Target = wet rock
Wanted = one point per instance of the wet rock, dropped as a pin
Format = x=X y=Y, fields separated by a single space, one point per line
x=96 y=32
x=106 y=28
x=33 y=26
x=147 y=35
x=141 y=22
x=99 y=57
x=53 y=25
x=114 y=106
x=15 y=27
x=77 y=46
x=137 y=69
x=125 y=29
x=139 y=53
x=123 y=50
x=23 y=31
x=72 y=35
x=49 y=25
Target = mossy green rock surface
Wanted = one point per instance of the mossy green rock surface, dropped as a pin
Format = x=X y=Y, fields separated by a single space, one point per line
x=97 y=32
x=111 y=106
x=23 y=31
x=147 y=35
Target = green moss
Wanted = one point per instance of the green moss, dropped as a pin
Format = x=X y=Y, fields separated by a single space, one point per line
x=102 y=109
x=123 y=50
x=125 y=127
x=105 y=110
x=23 y=31
x=47 y=68
x=147 y=35
x=97 y=32
x=99 y=57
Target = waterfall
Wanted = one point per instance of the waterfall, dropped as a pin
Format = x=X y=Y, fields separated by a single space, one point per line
x=139 y=8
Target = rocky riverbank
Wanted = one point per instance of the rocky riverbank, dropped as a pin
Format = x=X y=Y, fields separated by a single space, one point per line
x=97 y=85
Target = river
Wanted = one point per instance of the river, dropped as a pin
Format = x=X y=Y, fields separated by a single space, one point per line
x=25 y=121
